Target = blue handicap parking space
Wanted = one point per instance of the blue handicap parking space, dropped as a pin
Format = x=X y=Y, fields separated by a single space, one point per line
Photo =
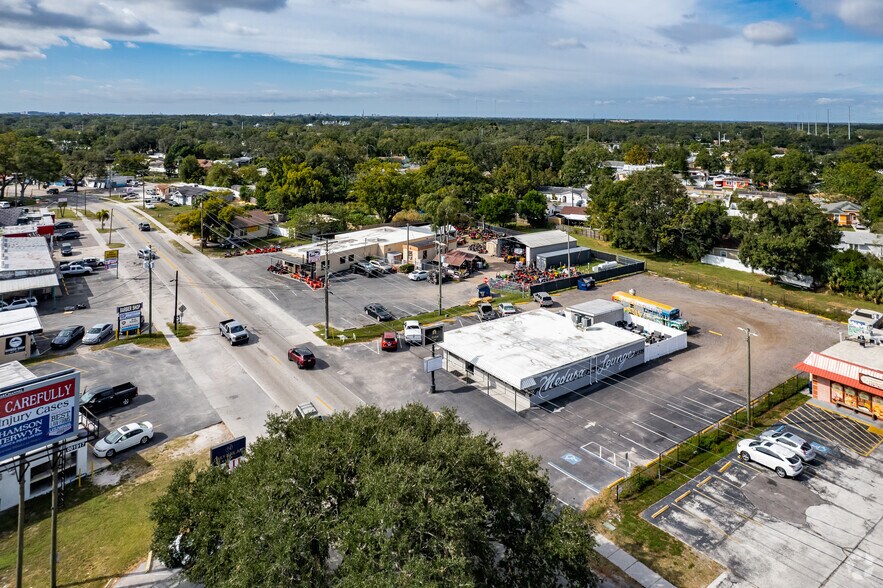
x=571 y=458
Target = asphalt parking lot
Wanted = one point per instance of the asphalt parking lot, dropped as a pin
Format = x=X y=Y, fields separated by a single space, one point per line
x=590 y=438
x=821 y=529
x=165 y=389
x=348 y=293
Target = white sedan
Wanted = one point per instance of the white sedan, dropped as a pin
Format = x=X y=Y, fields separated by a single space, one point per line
x=771 y=455
x=123 y=438
x=790 y=441
x=507 y=308
x=418 y=275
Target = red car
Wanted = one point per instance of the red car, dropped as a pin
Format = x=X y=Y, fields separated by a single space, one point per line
x=302 y=356
x=390 y=341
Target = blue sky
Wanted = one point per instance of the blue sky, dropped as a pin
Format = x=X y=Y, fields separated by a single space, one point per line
x=663 y=59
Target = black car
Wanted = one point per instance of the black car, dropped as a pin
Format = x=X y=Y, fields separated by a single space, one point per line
x=103 y=397
x=379 y=312
x=365 y=268
x=68 y=235
x=52 y=191
x=63 y=225
x=143 y=226
x=68 y=336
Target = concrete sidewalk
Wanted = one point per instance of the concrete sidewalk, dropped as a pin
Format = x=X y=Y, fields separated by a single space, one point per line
x=159 y=577
x=632 y=567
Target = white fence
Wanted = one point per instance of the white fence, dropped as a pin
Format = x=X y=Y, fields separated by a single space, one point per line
x=733 y=264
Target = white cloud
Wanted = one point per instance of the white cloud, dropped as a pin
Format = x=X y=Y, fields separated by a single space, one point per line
x=826 y=101
x=90 y=42
x=238 y=29
x=130 y=45
x=862 y=14
x=566 y=43
x=769 y=32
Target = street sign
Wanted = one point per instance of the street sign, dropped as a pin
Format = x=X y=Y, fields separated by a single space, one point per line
x=38 y=412
x=182 y=308
x=130 y=324
x=148 y=264
x=130 y=307
x=111 y=254
x=432 y=364
x=129 y=315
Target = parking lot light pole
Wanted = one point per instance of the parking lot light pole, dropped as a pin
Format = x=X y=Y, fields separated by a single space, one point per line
x=150 y=289
x=327 y=264
x=748 y=336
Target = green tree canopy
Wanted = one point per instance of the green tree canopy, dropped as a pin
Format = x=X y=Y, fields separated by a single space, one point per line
x=381 y=187
x=289 y=184
x=189 y=170
x=532 y=207
x=453 y=171
x=130 y=164
x=869 y=154
x=213 y=218
x=35 y=160
x=710 y=160
x=498 y=208
x=524 y=168
x=583 y=163
x=755 y=163
x=222 y=175
x=792 y=173
x=372 y=498
x=79 y=163
x=795 y=237
x=637 y=155
x=855 y=180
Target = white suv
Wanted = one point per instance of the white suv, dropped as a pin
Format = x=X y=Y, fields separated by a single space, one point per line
x=791 y=442
x=413 y=334
x=771 y=455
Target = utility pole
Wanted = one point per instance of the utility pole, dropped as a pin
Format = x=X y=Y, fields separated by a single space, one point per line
x=20 y=553
x=110 y=232
x=327 y=263
x=53 y=549
x=407 y=255
x=150 y=290
x=201 y=227
x=143 y=207
x=748 y=336
x=440 y=273
x=567 y=232
x=175 y=319
x=432 y=373
x=849 y=123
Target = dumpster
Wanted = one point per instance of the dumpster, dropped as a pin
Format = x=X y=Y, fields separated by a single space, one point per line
x=586 y=283
x=483 y=291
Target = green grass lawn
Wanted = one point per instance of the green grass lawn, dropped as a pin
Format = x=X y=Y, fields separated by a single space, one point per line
x=165 y=214
x=184 y=332
x=102 y=531
x=823 y=303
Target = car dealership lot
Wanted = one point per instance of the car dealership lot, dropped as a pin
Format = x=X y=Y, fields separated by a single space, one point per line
x=349 y=293
x=822 y=528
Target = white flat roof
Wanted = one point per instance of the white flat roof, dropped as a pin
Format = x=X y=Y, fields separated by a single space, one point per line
x=543 y=238
x=27 y=283
x=520 y=346
x=870 y=356
x=25 y=254
x=18 y=322
x=13 y=372
x=596 y=307
x=368 y=237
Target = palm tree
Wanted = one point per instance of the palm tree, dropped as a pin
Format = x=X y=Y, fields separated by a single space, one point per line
x=102 y=215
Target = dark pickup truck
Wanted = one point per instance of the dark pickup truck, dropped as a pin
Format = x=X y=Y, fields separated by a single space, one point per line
x=104 y=397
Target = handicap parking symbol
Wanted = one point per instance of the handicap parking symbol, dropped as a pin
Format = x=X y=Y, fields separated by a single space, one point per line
x=819 y=448
x=571 y=458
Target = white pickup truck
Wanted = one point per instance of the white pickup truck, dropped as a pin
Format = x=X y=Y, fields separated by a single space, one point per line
x=234 y=331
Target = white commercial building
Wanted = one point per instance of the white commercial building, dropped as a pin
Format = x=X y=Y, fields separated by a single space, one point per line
x=17 y=330
x=533 y=357
x=394 y=244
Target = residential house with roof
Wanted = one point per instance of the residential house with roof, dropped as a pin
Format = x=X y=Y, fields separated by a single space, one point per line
x=253 y=224
x=862 y=241
x=842 y=213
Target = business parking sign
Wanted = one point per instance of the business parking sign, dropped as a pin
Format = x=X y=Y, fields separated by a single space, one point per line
x=38 y=412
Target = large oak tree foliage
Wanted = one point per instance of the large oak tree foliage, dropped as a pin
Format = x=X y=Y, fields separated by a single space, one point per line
x=397 y=498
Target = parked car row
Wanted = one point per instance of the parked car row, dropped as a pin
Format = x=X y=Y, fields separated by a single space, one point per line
x=783 y=452
x=18 y=303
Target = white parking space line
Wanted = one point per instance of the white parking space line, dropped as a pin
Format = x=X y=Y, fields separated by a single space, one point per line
x=574 y=478
x=654 y=432
x=688 y=429
x=270 y=290
x=644 y=447
x=710 y=393
x=690 y=414
x=706 y=405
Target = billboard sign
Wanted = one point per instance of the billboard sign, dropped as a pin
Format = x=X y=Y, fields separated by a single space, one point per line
x=111 y=258
x=38 y=412
x=314 y=255
x=129 y=318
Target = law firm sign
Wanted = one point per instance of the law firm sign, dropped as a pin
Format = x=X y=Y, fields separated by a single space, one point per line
x=38 y=412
